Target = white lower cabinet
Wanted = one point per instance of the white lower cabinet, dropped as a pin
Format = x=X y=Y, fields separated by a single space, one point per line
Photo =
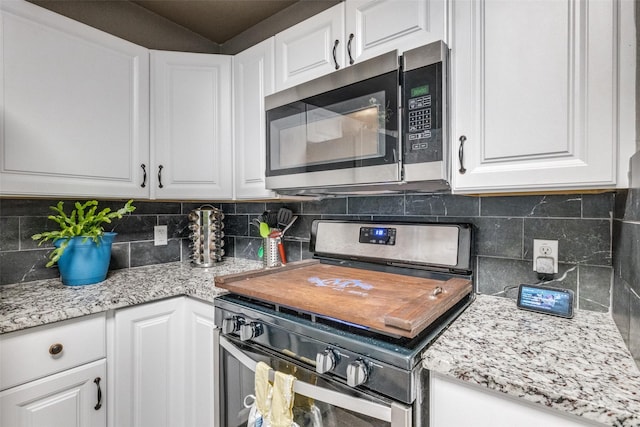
x=148 y=365
x=161 y=365
x=73 y=398
x=454 y=403
x=200 y=390
x=54 y=375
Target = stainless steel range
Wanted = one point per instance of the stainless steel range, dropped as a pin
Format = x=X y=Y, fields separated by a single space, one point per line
x=350 y=325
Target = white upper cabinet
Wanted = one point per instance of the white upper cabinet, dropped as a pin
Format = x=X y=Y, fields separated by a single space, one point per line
x=191 y=127
x=253 y=79
x=74 y=105
x=353 y=31
x=374 y=27
x=310 y=49
x=534 y=95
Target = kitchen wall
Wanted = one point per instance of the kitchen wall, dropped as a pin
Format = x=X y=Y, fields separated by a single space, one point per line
x=626 y=262
x=505 y=229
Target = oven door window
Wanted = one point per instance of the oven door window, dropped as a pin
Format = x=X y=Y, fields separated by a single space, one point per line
x=237 y=382
x=353 y=126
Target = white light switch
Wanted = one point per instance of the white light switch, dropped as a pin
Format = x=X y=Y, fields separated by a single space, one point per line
x=160 y=235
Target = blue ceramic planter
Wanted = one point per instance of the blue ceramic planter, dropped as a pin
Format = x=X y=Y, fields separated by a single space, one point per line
x=84 y=263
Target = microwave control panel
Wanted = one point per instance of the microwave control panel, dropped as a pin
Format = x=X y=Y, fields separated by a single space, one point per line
x=422 y=117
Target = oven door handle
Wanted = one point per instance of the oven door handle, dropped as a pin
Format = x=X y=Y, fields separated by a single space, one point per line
x=396 y=414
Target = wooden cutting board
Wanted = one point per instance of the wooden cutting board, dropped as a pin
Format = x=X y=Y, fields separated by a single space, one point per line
x=390 y=303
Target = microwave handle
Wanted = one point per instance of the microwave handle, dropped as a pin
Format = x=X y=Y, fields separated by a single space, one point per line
x=398 y=415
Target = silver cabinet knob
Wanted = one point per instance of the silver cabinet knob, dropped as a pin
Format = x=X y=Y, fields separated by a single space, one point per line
x=250 y=330
x=357 y=373
x=232 y=324
x=326 y=361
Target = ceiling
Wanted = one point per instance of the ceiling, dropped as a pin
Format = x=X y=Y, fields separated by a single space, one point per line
x=216 y=20
x=204 y=26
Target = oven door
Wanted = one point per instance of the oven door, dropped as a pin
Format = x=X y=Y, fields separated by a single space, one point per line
x=336 y=404
x=344 y=136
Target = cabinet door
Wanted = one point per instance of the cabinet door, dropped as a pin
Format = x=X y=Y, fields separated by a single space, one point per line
x=34 y=353
x=310 y=49
x=191 y=125
x=486 y=408
x=67 y=399
x=148 y=365
x=374 y=27
x=253 y=79
x=74 y=105
x=534 y=95
x=200 y=379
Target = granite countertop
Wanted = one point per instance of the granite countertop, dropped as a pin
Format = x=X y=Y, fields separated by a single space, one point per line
x=25 y=305
x=579 y=366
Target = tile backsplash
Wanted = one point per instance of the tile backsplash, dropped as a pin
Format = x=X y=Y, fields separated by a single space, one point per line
x=505 y=229
x=626 y=263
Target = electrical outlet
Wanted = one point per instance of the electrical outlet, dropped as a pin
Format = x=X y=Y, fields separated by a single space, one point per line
x=545 y=256
x=160 y=235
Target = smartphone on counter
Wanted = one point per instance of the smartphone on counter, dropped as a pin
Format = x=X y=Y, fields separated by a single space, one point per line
x=546 y=299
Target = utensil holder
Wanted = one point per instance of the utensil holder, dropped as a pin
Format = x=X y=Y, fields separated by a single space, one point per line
x=270 y=257
x=206 y=236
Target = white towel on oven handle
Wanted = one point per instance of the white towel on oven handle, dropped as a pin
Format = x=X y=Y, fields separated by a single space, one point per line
x=259 y=412
x=281 y=414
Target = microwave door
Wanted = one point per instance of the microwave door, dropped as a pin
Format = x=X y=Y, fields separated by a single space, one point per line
x=348 y=136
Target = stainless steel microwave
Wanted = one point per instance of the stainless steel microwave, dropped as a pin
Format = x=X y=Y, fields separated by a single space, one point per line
x=377 y=126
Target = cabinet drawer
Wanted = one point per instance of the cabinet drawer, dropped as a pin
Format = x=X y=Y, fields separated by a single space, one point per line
x=29 y=354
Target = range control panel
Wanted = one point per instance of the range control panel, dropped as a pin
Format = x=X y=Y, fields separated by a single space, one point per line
x=378 y=235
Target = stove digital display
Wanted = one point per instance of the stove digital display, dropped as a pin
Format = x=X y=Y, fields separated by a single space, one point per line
x=378 y=235
x=380 y=232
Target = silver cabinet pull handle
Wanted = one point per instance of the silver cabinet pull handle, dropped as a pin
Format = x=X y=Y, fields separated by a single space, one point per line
x=462 y=169
x=351 y=60
x=335 y=47
x=160 y=176
x=99 y=404
x=144 y=176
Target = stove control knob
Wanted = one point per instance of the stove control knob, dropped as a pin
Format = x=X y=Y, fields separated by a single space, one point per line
x=357 y=373
x=326 y=361
x=232 y=324
x=250 y=330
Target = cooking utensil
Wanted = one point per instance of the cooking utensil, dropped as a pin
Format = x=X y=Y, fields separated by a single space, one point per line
x=289 y=224
x=256 y=223
x=284 y=216
x=264 y=229
x=260 y=252
x=272 y=219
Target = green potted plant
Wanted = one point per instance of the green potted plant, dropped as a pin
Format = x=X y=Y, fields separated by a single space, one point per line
x=82 y=247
